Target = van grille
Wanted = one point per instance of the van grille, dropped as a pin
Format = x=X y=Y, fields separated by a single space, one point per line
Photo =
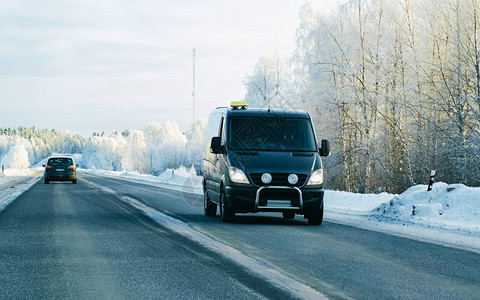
x=278 y=179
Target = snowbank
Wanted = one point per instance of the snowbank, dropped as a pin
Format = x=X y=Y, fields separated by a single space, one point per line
x=13 y=182
x=179 y=179
x=354 y=204
x=12 y=173
x=453 y=206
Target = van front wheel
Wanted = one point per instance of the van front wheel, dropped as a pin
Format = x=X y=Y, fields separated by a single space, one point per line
x=316 y=218
x=226 y=212
x=209 y=207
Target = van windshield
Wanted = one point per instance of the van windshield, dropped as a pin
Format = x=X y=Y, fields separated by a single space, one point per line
x=264 y=133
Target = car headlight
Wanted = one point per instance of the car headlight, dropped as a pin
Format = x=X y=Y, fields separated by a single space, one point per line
x=316 y=178
x=237 y=175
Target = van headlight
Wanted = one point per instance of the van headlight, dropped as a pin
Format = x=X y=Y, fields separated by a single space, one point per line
x=237 y=175
x=316 y=178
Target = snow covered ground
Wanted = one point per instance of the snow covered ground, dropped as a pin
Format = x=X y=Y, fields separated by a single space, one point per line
x=449 y=214
x=14 y=182
x=452 y=207
x=179 y=179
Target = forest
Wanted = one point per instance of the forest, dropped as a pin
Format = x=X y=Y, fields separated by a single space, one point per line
x=394 y=85
x=21 y=147
x=150 y=150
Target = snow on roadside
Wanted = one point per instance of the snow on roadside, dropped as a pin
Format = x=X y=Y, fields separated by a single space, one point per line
x=448 y=206
x=447 y=215
x=452 y=207
x=354 y=204
x=13 y=182
x=179 y=179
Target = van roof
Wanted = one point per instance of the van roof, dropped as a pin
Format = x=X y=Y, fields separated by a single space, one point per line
x=250 y=112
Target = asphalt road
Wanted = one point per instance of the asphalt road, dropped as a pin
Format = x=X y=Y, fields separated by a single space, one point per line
x=68 y=241
x=75 y=241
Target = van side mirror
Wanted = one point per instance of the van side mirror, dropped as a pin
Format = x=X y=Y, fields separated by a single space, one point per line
x=43 y=165
x=325 y=149
x=216 y=145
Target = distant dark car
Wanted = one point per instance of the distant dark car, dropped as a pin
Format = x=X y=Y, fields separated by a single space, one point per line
x=60 y=169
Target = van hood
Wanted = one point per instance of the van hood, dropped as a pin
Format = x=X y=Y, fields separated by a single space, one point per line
x=274 y=162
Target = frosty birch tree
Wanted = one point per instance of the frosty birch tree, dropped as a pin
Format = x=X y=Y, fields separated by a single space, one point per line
x=269 y=84
x=404 y=86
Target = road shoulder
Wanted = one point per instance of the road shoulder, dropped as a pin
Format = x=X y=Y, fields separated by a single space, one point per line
x=14 y=184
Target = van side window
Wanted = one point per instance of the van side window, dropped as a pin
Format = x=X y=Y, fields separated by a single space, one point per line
x=222 y=133
x=213 y=128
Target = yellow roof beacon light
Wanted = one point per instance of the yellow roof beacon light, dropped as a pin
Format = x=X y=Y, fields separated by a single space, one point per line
x=238 y=105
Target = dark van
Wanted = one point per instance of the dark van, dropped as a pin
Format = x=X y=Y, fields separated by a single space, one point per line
x=262 y=160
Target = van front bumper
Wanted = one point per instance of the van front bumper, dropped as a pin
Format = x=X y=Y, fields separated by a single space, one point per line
x=253 y=199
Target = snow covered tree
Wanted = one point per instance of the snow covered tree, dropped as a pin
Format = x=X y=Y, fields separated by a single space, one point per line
x=395 y=86
x=270 y=84
x=16 y=158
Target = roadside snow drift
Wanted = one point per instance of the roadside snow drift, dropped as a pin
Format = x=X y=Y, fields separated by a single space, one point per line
x=354 y=204
x=453 y=206
x=13 y=182
x=179 y=179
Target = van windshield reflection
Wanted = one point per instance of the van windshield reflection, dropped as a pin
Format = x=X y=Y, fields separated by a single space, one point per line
x=271 y=134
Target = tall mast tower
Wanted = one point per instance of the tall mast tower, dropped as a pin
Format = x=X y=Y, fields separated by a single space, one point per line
x=193 y=91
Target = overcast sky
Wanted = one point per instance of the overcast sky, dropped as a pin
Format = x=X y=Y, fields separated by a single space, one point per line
x=92 y=66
